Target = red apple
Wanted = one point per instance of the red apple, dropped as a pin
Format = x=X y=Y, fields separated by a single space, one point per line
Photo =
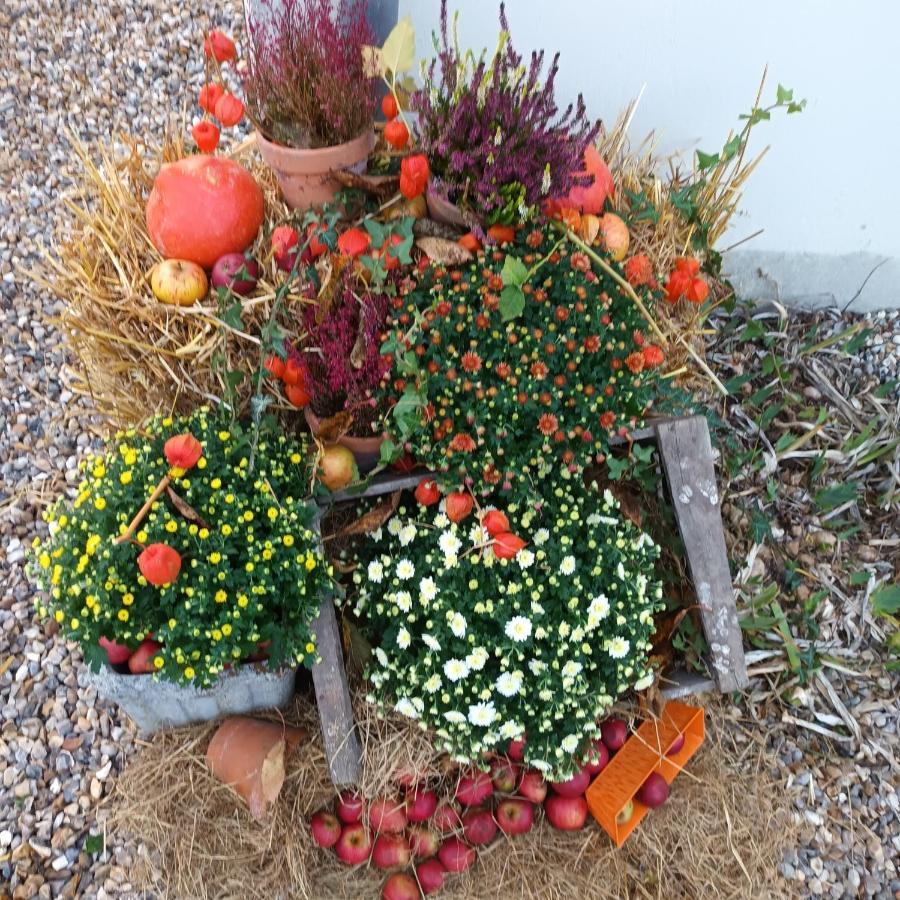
x=326 y=830
x=227 y=271
x=431 y=875
x=505 y=775
x=400 y=886
x=566 y=813
x=391 y=851
x=405 y=780
x=575 y=786
x=597 y=759
x=516 y=750
x=677 y=744
x=654 y=791
x=387 y=814
x=515 y=816
x=533 y=787
x=479 y=826
x=456 y=855
x=116 y=653
x=349 y=806
x=623 y=816
x=423 y=841
x=446 y=819
x=614 y=733
x=141 y=661
x=474 y=789
x=420 y=805
x=354 y=844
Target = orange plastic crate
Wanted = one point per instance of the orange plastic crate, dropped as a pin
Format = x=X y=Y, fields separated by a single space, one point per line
x=642 y=754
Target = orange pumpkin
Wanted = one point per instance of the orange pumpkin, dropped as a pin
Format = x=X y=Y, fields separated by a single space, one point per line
x=203 y=207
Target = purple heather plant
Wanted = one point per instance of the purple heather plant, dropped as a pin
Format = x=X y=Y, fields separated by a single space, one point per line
x=305 y=83
x=494 y=136
x=341 y=355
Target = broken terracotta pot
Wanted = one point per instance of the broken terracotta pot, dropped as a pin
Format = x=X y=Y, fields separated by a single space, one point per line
x=249 y=756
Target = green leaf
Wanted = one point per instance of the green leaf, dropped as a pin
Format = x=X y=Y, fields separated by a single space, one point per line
x=731 y=148
x=232 y=317
x=836 y=495
x=399 y=50
x=886 y=600
x=512 y=302
x=796 y=107
x=390 y=452
x=617 y=467
x=857 y=342
x=784 y=95
x=377 y=231
x=706 y=160
x=94 y=844
x=515 y=272
x=759 y=526
x=886 y=389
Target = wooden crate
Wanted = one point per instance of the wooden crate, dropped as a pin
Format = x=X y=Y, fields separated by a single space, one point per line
x=686 y=458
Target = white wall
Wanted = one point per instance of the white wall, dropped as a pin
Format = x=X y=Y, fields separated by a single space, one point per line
x=827 y=194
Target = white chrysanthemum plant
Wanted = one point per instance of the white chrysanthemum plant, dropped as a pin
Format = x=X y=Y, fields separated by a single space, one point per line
x=494 y=626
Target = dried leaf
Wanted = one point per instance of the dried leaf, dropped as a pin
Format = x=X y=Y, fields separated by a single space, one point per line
x=417 y=208
x=333 y=429
x=358 y=353
x=373 y=519
x=357 y=650
x=381 y=186
x=429 y=228
x=447 y=253
x=185 y=509
x=666 y=624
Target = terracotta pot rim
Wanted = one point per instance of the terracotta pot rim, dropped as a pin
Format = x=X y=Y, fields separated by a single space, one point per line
x=362 y=444
x=314 y=159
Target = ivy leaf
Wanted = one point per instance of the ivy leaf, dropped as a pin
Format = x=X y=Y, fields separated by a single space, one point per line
x=94 y=844
x=886 y=600
x=515 y=272
x=731 y=148
x=399 y=50
x=836 y=495
x=512 y=302
x=390 y=452
x=232 y=317
x=95 y=656
x=406 y=412
x=784 y=95
x=706 y=160
x=796 y=107
x=377 y=232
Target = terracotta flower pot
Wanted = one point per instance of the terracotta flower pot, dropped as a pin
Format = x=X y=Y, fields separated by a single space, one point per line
x=442 y=210
x=366 y=451
x=304 y=176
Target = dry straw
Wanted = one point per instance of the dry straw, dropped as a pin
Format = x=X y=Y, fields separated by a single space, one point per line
x=719 y=836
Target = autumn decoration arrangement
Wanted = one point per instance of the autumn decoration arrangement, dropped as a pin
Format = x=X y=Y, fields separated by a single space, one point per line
x=460 y=297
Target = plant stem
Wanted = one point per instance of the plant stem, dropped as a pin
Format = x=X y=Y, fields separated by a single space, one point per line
x=136 y=521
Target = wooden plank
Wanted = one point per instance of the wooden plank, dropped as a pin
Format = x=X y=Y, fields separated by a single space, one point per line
x=342 y=747
x=687 y=460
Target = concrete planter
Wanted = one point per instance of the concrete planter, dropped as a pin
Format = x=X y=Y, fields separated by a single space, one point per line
x=154 y=705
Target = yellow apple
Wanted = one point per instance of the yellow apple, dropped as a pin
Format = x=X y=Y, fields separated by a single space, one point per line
x=614 y=236
x=178 y=282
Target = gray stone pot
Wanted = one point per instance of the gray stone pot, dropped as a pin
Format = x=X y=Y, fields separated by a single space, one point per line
x=154 y=705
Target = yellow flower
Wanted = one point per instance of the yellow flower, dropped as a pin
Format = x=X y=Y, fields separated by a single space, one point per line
x=215 y=558
x=221 y=596
x=123 y=615
x=224 y=435
x=171 y=526
x=204 y=534
x=288 y=540
x=249 y=567
x=142 y=537
x=310 y=647
x=229 y=498
x=216 y=634
x=100 y=503
x=129 y=456
x=226 y=629
x=295 y=458
x=127 y=599
x=93 y=542
x=189 y=672
x=57 y=575
x=44 y=560
x=216 y=483
x=242 y=600
x=73 y=624
x=166 y=422
x=226 y=529
x=201 y=463
x=267 y=554
x=125 y=477
x=159 y=662
x=99 y=470
x=59 y=615
x=272 y=513
x=172 y=623
x=90 y=601
x=310 y=562
x=248 y=516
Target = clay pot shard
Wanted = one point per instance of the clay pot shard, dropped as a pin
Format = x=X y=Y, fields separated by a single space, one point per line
x=249 y=756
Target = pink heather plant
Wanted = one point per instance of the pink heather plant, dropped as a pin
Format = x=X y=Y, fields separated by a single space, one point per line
x=305 y=83
x=497 y=142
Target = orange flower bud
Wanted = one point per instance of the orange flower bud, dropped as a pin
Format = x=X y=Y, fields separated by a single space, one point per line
x=159 y=564
x=183 y=451
x=229 y=110
x=507 y=545
x=220 y=46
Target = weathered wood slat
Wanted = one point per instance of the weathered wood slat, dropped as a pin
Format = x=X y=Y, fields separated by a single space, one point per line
x=687 y=460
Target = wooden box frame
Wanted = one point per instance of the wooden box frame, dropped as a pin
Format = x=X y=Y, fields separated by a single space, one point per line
x=686 y=458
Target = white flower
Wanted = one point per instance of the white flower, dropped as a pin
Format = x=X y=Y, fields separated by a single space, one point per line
x=567 y=566
x=478 y=535
x=403 y=599
x=375 y=571
x=433 y=685
x=449 y=543
x=571 y=669
x=407 y=534
x=541 y=536
x=405 y=569
x=525 y=559
x=394 y=527
x=570 y=743
x=477 y=658
x=428 y=589
x=536 y=666
x=620 y=571
x=381 y=656
x=510 y=683
x=541 y=766
x=456 y=717
x=431 y=643
x=405 y=708
x=456 y=669
x=618 y=647
x=458 y=625
x=599 y=608
x=518 y=628
x=482 y=714
x=376 y=535
x=511 y=730
x=546 y=181
x=403 y=639
x=441 y=520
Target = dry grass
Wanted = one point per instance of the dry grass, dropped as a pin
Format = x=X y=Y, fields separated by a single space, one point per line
x=721 y=834
x=134 y=355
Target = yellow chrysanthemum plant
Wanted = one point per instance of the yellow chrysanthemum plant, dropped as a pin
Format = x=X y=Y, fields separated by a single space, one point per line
x=190 y=548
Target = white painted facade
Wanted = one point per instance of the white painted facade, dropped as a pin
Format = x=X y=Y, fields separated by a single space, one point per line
x=826 y=195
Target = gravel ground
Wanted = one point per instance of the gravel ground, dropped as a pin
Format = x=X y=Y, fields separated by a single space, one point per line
x=96 y=68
